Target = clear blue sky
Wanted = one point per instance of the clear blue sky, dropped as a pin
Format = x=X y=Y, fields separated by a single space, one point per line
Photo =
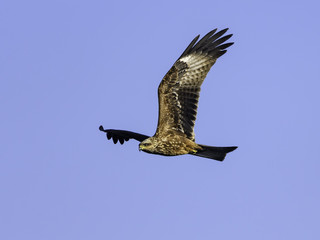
x=68 y=66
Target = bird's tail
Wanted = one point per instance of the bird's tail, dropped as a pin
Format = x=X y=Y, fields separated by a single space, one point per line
x=216 y=153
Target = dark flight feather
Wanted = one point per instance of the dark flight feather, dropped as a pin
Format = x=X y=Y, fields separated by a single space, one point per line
x=122 y=135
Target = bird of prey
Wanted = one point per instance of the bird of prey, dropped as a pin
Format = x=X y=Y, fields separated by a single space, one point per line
x=178 y=95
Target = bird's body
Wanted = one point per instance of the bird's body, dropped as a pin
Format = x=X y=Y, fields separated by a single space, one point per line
x=178 y=96
x=171 y=143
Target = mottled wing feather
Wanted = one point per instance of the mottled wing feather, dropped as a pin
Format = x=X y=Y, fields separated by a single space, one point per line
x=179 y=90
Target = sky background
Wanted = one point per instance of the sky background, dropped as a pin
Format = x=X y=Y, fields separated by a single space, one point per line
x=68 y=66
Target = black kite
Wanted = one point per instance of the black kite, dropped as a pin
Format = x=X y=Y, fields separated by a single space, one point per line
x=178 y=96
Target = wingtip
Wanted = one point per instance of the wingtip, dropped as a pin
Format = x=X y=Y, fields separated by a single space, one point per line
x=233 y=148
x=212 y=31
x=101 y=128
x=223 y=31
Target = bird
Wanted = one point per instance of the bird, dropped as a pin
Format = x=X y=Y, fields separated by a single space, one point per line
x=178 y=96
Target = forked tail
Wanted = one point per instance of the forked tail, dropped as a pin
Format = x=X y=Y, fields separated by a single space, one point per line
x=216 y=153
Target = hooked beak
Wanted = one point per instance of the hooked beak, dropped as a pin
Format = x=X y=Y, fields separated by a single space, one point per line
x=140 y=148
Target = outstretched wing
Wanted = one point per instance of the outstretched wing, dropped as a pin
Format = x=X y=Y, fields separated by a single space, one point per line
x=178 y=92
x=122 y=135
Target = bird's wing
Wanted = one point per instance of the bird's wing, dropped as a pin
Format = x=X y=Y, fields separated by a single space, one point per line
x=121 y=135
x=178 y=92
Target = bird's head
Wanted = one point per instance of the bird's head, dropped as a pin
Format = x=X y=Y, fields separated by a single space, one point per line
x=148 y=145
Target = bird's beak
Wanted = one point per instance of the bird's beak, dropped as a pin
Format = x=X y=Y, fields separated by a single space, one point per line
x=140 y=147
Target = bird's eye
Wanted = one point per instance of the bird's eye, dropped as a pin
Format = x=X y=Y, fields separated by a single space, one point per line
x=147 y=144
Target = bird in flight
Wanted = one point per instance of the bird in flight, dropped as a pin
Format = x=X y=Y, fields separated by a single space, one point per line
x=178 y=96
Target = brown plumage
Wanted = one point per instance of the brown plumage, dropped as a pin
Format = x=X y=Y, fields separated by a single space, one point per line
x=178 y=96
